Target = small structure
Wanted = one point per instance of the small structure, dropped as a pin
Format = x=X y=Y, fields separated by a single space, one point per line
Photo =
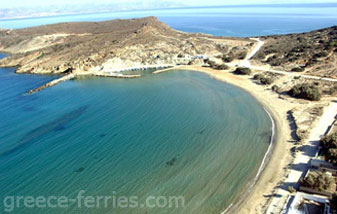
x=318 y=163
x=303 y=203
x=200 y=57
x=323 y=165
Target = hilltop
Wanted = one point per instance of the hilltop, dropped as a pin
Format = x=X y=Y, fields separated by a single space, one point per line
x=92 y=46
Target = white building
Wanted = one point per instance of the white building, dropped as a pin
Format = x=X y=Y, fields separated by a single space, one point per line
x=303 y=203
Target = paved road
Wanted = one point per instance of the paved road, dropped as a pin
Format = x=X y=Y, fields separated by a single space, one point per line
x=301 y=162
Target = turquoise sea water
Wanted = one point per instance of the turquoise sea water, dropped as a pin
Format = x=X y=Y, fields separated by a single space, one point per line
x=179 y=133
x=238 y=21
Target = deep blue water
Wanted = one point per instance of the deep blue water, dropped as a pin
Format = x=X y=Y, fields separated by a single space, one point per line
x=239 y=21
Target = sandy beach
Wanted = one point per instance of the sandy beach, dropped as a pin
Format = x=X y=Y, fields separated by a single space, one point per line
x=256 y=200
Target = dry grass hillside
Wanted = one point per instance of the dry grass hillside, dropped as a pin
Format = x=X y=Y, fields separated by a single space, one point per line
x=314 y=53
x=92 y=45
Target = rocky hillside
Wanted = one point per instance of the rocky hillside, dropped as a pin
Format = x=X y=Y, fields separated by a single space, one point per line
x=87 y=46
x=314 y=53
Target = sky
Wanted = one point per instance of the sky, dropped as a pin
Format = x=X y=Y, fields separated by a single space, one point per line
x=59 y=3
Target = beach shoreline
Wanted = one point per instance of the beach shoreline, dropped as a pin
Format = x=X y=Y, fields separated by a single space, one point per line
x=278 y=154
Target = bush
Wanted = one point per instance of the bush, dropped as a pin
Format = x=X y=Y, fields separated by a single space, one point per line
x=320 y=55
x=329 y=141
x=180 y=55
x=331 y=156
x=333 y=44
x=209 y=62
x=242 y=71
x=263 y=79
x=318 y=180
x=213 y=65
x=276 y=63
x=305 y=91
x=220 y=67
x=297 y=69
x=329 y=144
x=276 y=89
x=258 y=76
x=266 y=81
x=227 y=58
x=242 y=55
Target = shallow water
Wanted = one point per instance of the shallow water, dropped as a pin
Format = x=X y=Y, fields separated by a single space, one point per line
x=178 y=133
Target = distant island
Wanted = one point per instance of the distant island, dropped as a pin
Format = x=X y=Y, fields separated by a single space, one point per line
x=294 y=77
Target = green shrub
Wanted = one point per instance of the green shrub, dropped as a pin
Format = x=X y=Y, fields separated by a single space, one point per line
x=329 y=141
x=329 y=145
x=331 y=156
x=220 y=67
x=318 y=180
x=242 y=71
x=266 y=81
x=305 y=91
x=258 y=76
x=333 y=44
x=227 y=58
x=263 y=79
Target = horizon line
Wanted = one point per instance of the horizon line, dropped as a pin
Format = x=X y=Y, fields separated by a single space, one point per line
x=69 y=13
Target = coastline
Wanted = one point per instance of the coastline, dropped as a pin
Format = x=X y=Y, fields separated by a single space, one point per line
x=278 y=154
x=273 y=174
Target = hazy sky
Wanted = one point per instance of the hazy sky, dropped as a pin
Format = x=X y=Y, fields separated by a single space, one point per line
x=39 y=3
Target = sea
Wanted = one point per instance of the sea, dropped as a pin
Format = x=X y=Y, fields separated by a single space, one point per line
x=235 y=20
x=179 y=134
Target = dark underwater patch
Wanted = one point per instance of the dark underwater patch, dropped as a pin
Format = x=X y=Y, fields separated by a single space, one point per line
x=102 y=135
x=171 y=162
x=44 y=129
x=59 y=128
x=201 y=132
x=81 y=169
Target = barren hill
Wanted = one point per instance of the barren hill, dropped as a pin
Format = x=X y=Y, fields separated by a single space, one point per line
x=86 y=46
